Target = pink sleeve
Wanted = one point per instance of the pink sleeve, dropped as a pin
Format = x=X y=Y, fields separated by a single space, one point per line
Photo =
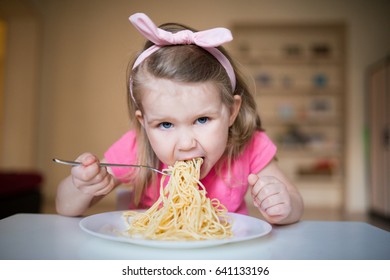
x=262 y=150
x=123 y=151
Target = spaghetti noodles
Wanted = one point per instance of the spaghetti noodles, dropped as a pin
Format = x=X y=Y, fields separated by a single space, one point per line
x=182 y=212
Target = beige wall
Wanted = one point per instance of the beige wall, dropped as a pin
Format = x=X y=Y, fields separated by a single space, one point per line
x=80 y=102
x=20 y=98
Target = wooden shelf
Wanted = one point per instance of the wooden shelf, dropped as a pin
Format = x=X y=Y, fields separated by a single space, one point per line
x=300 y=87
x=288 y=61
x=304 y=92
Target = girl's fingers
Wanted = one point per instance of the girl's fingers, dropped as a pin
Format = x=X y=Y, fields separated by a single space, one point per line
x=276 y=210
x=252 y=179
x=270 y=196
x=271 y=201
x=89 y=174
x=102 y=187
x=87 y=159
x=267 y=187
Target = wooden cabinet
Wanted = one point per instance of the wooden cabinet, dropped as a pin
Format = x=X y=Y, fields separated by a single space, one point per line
x=298 y=73
x=378 y=127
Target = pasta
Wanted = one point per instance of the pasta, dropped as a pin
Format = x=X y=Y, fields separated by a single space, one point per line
x=182 y=212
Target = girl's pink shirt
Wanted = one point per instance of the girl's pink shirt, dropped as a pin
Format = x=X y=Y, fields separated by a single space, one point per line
x=229 y=189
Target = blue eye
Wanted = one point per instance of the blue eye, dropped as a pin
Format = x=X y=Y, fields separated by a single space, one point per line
x=203 y=120
x=166 y=125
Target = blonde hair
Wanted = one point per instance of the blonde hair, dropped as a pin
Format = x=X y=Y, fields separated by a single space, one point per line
x=188 y=63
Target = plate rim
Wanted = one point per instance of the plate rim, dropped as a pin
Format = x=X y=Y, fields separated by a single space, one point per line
x=173 y=244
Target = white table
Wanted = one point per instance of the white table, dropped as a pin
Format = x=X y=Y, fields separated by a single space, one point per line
x=43 y=236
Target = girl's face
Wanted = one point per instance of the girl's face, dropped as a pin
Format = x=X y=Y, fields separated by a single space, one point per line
x=186 y=120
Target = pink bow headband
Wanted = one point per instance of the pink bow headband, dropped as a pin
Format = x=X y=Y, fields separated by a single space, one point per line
x=208 y=40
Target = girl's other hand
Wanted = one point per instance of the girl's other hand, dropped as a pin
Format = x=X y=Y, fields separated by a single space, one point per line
x=91 y=178
x=271 y=197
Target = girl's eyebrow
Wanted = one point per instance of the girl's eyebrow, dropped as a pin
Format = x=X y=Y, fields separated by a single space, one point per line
x=169 y=116
x=159 y=119
x=209 y=111
x=203 y=113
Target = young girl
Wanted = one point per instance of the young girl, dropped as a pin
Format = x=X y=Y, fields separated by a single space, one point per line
x=187 y=100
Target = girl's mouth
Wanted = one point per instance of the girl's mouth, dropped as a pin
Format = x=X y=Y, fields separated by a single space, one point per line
x=191 y=158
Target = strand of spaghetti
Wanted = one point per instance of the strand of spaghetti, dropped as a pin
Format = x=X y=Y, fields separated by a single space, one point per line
x=183 y=211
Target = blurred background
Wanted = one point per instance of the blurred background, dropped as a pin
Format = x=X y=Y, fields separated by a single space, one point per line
x=319 y=69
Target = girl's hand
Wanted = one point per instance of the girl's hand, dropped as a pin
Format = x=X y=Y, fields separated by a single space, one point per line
x=90 y=178
x=271 y=197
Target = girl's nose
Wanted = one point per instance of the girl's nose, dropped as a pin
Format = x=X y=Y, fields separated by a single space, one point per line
x=186 y=141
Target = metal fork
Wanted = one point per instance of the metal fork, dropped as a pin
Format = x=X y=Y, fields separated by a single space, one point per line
x=75 y=163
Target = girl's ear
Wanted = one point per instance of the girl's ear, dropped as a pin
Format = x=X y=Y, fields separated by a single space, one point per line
x=139 y=117
x=235 y=109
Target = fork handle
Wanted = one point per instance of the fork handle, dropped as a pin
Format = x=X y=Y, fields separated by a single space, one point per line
x=75 y=163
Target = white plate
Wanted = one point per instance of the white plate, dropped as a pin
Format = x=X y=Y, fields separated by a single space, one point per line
x=110 y=225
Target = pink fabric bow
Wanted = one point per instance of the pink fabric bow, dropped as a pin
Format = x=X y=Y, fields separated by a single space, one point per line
x=207 y=39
